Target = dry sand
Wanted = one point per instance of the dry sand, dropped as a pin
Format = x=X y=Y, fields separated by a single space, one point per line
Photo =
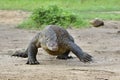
x=102 y=43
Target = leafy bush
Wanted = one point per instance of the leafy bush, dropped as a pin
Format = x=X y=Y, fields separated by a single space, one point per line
x=53 y=15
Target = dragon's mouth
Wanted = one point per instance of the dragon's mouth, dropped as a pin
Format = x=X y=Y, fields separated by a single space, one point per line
x=52 y=47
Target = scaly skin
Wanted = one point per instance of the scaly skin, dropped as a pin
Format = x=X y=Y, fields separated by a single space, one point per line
x=55 y=41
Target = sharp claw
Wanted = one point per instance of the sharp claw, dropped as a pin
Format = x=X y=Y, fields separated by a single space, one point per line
x=86 y=58
x=89 y=58
x=32 y=62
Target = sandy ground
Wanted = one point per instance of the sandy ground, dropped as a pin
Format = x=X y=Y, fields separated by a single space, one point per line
x=102 y=43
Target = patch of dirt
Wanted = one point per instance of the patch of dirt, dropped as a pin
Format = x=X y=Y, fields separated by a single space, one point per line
x=12 y=17
x=102 y=43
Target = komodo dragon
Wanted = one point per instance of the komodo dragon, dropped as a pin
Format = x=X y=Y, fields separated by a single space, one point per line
x=55 y=41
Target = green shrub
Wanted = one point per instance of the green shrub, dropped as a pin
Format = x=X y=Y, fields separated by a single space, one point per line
x=52 y=15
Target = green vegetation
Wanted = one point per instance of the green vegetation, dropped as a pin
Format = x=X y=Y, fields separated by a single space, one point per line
x=85 y=10
x=81 y=5
x=52 y=15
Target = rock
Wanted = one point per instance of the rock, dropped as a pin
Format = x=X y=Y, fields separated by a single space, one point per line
x=97 y=22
